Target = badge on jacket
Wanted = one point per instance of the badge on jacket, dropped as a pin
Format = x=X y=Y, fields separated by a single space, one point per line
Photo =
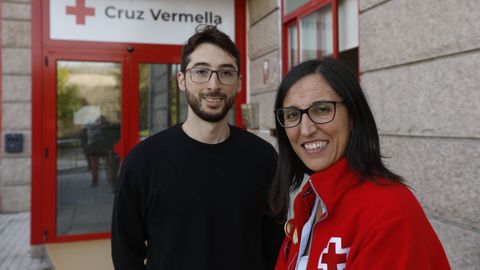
x=333 y=256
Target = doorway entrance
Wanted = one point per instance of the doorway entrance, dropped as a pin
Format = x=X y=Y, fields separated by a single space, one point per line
x=97 y=107
x=95 y=95
x=88 y=111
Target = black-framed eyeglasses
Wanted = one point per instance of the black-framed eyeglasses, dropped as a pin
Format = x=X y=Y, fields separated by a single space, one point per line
x=320 y=112
x=203 y=75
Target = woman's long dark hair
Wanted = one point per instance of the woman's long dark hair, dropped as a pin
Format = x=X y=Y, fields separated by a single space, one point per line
x=363 y=150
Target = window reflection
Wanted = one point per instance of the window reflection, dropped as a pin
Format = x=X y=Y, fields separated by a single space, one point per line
x=293 y=45
x=161 y=104
x=317 y=34
x=88 y=127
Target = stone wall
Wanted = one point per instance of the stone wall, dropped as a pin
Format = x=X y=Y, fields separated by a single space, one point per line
x=264 y=65
x=420 y=63
x=15 y=176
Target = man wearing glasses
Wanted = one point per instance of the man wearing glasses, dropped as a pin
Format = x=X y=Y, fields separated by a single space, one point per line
x=195 y=195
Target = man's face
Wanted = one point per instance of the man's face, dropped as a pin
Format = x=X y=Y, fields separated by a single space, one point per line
x=210 y=100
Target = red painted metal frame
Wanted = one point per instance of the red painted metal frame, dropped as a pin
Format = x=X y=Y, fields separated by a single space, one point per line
x=49 y=120
x=303 y=10
x=39 y=190
x=295 y=17
x=241 y=42
x=286 y=41
x=146 y=56
x=335 y=27
x=43 y=194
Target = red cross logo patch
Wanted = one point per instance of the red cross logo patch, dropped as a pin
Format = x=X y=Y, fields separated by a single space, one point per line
x=80 y=11
x=334 y=256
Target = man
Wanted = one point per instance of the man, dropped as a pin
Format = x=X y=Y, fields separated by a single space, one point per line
x=195 y=195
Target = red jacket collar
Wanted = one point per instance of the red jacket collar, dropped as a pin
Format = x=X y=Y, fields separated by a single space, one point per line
x=329 y=184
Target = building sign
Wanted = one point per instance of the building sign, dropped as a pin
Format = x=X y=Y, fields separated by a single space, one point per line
x=139 y=21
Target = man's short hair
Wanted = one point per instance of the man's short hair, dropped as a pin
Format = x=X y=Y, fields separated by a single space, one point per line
x=208 y=34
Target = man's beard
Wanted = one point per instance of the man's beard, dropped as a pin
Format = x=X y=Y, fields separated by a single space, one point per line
x=196 y=105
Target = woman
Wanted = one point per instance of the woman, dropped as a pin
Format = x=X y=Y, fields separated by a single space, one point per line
x=352 y=213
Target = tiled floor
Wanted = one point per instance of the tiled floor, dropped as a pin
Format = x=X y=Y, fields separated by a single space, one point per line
x=82 y=208
x=15 y=244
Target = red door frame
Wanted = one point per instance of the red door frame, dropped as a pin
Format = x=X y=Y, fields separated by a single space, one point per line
x=49 y=122
x=148 y=56
x=45 y=52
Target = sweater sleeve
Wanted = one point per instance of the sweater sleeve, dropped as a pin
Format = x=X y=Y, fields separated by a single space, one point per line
x=273 y=234
x=128 y=226
x=283 y=255
x=272 y=240
x=398 y=243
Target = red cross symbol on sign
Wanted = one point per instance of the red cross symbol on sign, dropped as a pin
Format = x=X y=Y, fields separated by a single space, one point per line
x=80 y=11
x=333 y=257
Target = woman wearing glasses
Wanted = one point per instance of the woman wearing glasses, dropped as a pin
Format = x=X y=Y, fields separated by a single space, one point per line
x=351 y=212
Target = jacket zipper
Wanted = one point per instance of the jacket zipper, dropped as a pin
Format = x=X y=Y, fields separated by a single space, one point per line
x=291 y=263
x=323 y=217
x=322 y=205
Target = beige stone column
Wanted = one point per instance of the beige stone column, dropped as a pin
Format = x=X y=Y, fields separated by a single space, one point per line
x=15 y=177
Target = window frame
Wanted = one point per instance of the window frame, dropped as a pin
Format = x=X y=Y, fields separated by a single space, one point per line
x=294 y=18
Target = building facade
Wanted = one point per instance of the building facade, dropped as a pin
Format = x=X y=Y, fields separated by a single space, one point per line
x=418 y=62
x=16 y=104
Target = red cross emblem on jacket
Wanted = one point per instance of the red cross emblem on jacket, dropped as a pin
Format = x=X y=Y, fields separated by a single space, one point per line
x=334 y=256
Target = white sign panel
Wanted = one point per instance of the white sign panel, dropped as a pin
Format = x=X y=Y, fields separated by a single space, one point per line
x=153 y=22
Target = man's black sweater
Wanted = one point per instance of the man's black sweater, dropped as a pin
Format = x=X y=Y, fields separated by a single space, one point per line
x=182 y=204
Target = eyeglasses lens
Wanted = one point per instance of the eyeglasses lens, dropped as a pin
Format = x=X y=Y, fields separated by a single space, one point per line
x=203 y=75
x=319 y=113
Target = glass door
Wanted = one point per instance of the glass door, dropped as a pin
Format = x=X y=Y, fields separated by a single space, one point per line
x=97 y=107
x=88 y=126
x=160 y=103
x=86 y=120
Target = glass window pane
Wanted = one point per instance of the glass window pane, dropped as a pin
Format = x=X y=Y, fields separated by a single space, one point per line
x=316 y=34
x=291 y=5
x=347 y=24
x=161 y=105
x=88 y=127
x=292 y=45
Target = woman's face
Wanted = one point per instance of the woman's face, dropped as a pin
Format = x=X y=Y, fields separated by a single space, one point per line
x=317 y=145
